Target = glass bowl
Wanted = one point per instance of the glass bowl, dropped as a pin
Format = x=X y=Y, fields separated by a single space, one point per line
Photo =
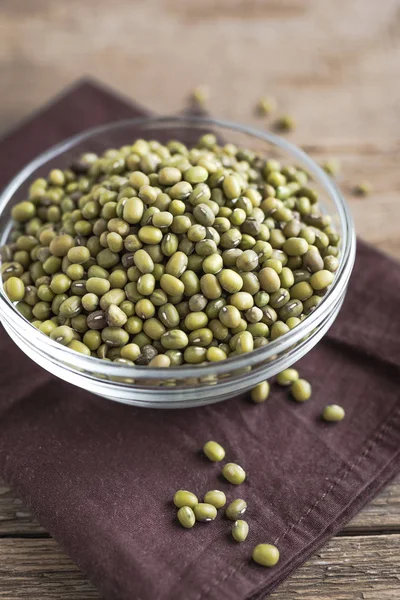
x=182 y=386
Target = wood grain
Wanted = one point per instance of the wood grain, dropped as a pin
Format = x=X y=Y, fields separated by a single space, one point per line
x=37 y=568
x=362 y=564
x=348 y=568
x=335 y=66
x=15 y=519
x=381 y=515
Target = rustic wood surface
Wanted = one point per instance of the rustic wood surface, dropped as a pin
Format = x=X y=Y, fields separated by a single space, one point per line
x=335 y=66
x=362 y=563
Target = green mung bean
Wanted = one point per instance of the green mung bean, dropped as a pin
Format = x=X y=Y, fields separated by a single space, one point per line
x=301 y=390
x=15 y=289
x=240 y=530
x=234 y=473
x=287 y=377
x=260 y=393
x=214 y=451
x=185 y=498
x=236 y=509
x=204 y=512
x=186 y=517
x=333 y=413
x=216 y=498
x=266 y=555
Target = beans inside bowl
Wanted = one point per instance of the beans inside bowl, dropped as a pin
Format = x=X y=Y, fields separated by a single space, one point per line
x=164 y=254
x=149 y=262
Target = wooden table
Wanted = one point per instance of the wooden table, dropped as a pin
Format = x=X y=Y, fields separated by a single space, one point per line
x=335 y=66
x=362 y=563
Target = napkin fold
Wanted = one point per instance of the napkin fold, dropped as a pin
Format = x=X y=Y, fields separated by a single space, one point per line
x=100 y=476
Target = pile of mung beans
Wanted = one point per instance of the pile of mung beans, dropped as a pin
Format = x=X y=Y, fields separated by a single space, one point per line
x=190 y=510
x=300 y=391
x=162 y=255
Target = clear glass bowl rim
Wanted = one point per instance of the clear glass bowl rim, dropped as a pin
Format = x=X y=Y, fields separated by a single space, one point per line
x=278 y=346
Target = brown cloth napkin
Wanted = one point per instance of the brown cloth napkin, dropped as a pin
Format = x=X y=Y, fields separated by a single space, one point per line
x=99 y=476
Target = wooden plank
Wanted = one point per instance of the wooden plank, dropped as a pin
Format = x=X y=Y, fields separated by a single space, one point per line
x=38 y=569
x=15 y=519
x=382 y=514
x=376 y=216
x=347 y=568
x=335 y=65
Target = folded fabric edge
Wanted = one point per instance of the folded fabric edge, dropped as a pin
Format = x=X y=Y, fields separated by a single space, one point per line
x=387 y=440
x=349 y=511
x=87 y=81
